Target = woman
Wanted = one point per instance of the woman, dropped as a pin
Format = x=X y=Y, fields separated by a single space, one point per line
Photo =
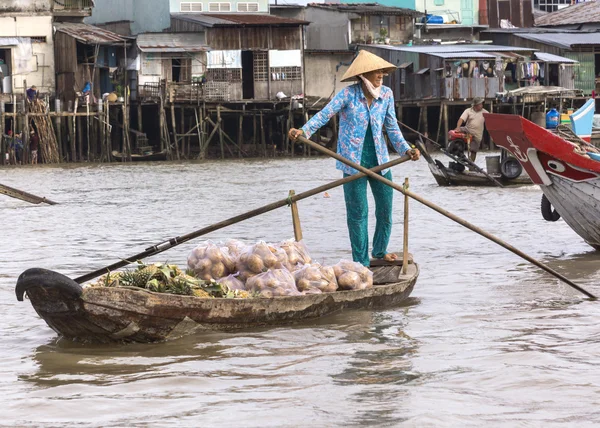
x=365 y=109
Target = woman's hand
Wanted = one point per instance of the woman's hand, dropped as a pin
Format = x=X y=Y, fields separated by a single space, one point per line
x=295 y=133
x=414 y=154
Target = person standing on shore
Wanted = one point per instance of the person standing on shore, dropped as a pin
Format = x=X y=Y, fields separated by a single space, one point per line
x=366 y=108
x=34 y=143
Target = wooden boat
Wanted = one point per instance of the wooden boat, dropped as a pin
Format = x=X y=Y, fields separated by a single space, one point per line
x=116 y=314
x=157 y=156
x=445 y=176
x=582 y=120
x=568 y=175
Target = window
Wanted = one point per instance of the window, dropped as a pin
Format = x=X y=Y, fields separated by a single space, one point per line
x=286 y=73
x=219 y=7
x=247 y=7
x=438 y=2
x=38 y=39
x=550 y=5
x=401 y=22
x=191 y=6
x=261 y=69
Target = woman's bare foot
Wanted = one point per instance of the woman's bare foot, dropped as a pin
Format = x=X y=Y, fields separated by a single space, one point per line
x=390 y=257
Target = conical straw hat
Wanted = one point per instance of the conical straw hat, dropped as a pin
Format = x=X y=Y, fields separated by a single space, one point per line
x=364 y=62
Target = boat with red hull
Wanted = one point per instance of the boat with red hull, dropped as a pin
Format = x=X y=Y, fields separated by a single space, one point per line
x=566 y=171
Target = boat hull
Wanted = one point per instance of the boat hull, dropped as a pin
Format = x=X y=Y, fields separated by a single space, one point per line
x=570 y=180
x=117 y=314
x=448 y=177
x=158 y=156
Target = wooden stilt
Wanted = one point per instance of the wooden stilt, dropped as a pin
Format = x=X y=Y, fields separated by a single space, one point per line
x=425 y=122
x=405 y=234
x=220 y=126
x=262 y=135
x=198 y=129
x=140 y=122
x=240 y=136
x=445 y=125
x=174 y=125
x=439 y=128
x=254 y=132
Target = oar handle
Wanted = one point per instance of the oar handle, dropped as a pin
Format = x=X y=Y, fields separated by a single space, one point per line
x=447 y=214
x=173 y=242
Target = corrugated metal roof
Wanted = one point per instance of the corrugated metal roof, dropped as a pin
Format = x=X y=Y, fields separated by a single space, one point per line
x=90 y=34
x=234 y=19
x=172 y=42
x=563 y=40
x=366 y=9
x=548 y=57
x=462 y=55
x=431 y=49
x=580 y=13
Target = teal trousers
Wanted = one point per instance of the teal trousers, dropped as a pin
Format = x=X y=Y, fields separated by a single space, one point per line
x=357 y=208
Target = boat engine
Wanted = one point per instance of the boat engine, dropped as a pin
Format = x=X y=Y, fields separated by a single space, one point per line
x=458 y=143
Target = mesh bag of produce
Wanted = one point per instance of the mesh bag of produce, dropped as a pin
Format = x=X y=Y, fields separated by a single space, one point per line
x=313 y=277
x=352 y=276
x=209 y=261
x=274 y=283
x=260 y=258
x=232 y=283
x=235 y=247
x=297 y=254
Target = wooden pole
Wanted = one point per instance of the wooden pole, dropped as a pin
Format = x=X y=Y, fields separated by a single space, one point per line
x=184 y=140
x=262 y=135
x=295 y=217
x=161 y=123
x=174 y=123
x=254 y=131
x=199 y=129
x=445 y=125
x=439 y=128
x=446 y=214
x=79 y=138
x=220 y=125
x=140 y=123
x=3 y=143
x=240 y=136
x=87 y=123
x=405 y=234
x=425 y=122
x=173 y=242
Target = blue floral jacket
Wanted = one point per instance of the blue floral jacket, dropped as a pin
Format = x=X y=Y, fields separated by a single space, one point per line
x=355 y=114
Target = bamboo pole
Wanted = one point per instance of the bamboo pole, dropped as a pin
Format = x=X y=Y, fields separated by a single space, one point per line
x=405 y=234
x=447 y=214
x=295 y=217
x=173 y=242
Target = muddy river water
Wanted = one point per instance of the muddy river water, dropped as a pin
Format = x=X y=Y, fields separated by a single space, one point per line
x=486 y=339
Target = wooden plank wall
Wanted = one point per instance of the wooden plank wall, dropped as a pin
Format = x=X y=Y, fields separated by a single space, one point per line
x=249 y=38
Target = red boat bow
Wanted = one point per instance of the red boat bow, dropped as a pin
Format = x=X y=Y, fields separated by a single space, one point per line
x=524 y=139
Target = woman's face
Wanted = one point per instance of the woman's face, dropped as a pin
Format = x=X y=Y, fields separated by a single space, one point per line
x=375 y=77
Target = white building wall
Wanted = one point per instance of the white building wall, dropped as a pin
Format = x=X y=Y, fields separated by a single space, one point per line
x=41 y=66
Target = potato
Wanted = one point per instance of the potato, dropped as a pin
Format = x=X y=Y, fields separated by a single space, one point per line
x=218 y=270
x=270 y=261
x=214 y=253
x=203 y=265
x=303 y=284
x=272 y=283
x=266 y=293
x=255 y=264
x=229 y=264
x=349 y=280
x=199 y=252
x=338 y=271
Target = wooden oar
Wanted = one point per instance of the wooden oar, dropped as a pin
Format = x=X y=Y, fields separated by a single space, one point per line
x=173 y=242
x=24 y=196
x=446 y=214
x=444 y=151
